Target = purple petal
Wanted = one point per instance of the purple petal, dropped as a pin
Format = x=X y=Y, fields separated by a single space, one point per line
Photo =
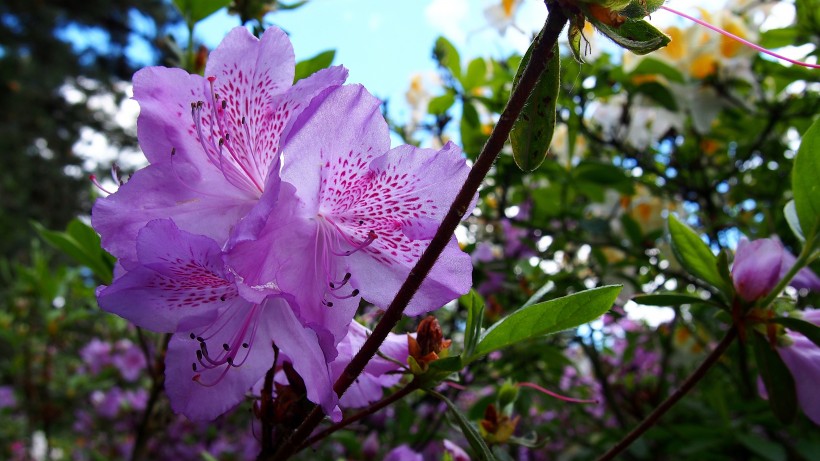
x=179 y=274
x=803 y=359
x=202 y=389
x=756 y=268
x=336 y=137
x=805 y=277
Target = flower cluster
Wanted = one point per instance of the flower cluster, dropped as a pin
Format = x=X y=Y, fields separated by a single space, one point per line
x=267 y=211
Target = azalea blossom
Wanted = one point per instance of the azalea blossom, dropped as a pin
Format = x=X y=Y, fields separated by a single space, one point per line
x=802 y=357
x=213 y=142
x=358 y=218
x=222 y=343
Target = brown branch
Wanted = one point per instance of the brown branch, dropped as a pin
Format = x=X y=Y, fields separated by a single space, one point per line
x=542 y=50
x=687 y=385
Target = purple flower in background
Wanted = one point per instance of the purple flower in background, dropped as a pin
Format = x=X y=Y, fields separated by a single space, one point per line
x=222 y=343
x=760 y=264
x=456 y=452
x=96 y=354
x=802 y=357
x=7 y=399
x=403 y=453
x=213 y=143
x=129 y=360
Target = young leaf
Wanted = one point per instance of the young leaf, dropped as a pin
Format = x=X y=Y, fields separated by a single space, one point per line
x=547 y=317
x=82 y=244
x=806 y=180
x=470 y=432
x=693 y=253
x=307 y=67
x=475 y=319
x=531 y=134
x=777 y=379
x=636 y=35
x=440 y=104
x=195 y=10
x=476 y=74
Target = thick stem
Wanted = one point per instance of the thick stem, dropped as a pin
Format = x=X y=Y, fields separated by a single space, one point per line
x=541 y=52
x=687 y=385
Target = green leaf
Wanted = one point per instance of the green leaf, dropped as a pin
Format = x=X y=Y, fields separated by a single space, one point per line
x=470 y=431
x=531 y=133
x=440 y=104
x=448 y=364
x=806 y=180
x=547 y=317
x=82 y=244
x=476 y=74
x=777 y=378
x=778 y=38
x=546 y=288
x=668 y=299
x=693 y=254
x=475 y=320
x=768 y=450
x=603 y=174
x=309 y=66
x=807 y=329
x=195 y=10
x=660 y=93
x=447 y=55
x=790 y=211
x=652 y=66
x=636 y=35
x=574 y=37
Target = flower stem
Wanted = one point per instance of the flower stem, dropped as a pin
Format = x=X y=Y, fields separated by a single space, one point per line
x=541 y=52
x=687 y=385
x=394 y=397
x=751 y=45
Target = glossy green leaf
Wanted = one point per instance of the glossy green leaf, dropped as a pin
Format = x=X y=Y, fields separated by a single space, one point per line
x=693 y=254
x=531 y=134
x=195 y=10
x=806 y=180
x=482 y=451
x=547 y=317
x=82 y=244
x=636 y=35
x=475 y=320
x=777 y=378
x=447 y=55
x=307 y=67
x=807 y=329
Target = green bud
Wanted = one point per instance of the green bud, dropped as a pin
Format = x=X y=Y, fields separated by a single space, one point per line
x=508 y=394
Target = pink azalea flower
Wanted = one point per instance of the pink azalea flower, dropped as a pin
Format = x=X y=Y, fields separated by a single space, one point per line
x=365 y=213
x=760 y=264
x=222 y=343
x=403 y=453
x=213 y=143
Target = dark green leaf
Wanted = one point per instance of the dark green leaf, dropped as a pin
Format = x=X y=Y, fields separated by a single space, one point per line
x=605 y=175
x=531 y=134
x=475 y=320
x=770 y=451
x=667 y=299
x=547 y=317
x=778 y=38
x=806 y=180
x=807 y=329
x=448 y=364
x=777 y=378
x=693 y=254
x=470 y=431
x=660 y=93
x=636 y=35
x=447 y=55
x=546 y=288
x=307 y=67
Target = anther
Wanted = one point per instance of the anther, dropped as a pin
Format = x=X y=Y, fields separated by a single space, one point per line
x=193 y=366
x=199 y=355
x=224 y=104
x=226 y=347
x=327 y=303
x=229 y=360
x=199 y=338
x=245 y=345
x=173 y=151
x=193 y=336
x=223 y=297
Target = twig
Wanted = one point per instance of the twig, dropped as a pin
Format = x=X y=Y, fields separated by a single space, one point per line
x=687 y=385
